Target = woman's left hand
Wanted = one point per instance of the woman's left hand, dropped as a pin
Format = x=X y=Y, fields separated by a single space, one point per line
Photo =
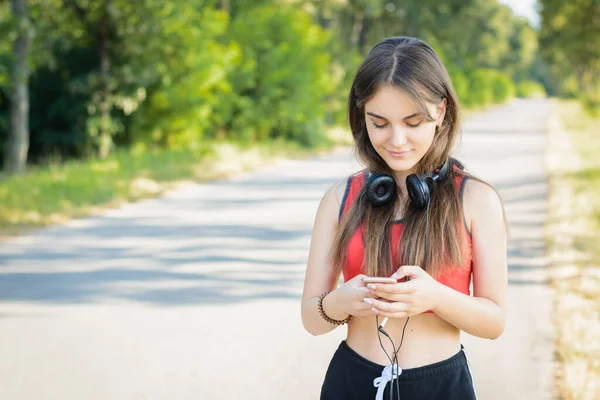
x=404 y=299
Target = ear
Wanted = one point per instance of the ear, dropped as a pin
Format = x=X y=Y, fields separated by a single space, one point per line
x=441 y=111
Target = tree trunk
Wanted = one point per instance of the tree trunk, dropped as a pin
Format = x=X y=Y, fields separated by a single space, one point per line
x=357 y=28
x=362 y=37
x=15 y=159
x=580 y=82
x=106 y=142
x=322 y=20
x=224 y=5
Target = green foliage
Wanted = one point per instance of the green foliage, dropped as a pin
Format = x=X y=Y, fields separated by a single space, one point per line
x=461 y=84
x=6 y=32
x=528 y=89
x=468 y=36
x=189 y=83
x=247 y=87
x=488 y=86
x=570 y=42
x=181 y=73
x=480 y=91
x=503 y=88
x=279 y=86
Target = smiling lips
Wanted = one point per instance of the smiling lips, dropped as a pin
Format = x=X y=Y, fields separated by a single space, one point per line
x=400 y=154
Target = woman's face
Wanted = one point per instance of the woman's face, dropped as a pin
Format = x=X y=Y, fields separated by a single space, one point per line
x=398 y=132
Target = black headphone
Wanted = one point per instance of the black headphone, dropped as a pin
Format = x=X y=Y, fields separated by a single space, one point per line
x=381 y=188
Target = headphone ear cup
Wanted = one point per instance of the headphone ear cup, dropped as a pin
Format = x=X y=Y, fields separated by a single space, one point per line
x=380 y=189
x=418 y=191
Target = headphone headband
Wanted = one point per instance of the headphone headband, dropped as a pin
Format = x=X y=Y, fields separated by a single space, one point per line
x=443 y=170
x=381 y=188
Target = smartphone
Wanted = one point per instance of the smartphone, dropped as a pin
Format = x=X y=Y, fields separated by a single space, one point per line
x=378 y=279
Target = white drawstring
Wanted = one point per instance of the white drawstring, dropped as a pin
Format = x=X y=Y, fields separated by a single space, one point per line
x=386 y=376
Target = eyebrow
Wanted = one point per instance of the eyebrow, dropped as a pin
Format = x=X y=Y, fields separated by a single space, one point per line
x=380 y=117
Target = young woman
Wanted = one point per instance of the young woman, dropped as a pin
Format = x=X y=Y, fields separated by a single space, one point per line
x=432 y=231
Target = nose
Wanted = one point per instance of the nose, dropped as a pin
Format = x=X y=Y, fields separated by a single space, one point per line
x=399 y=137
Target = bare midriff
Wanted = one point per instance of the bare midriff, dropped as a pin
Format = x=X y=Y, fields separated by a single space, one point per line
x=427 y=339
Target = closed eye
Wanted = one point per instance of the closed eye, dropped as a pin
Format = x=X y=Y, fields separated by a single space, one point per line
x=407 y=124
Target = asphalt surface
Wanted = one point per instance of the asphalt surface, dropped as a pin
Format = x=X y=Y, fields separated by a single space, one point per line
x=196 y=295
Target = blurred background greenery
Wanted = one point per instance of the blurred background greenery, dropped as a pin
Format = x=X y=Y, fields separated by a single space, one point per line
x=154 y=74
x=96 y=94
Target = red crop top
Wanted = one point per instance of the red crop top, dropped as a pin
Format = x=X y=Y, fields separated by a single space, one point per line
x=458 y=278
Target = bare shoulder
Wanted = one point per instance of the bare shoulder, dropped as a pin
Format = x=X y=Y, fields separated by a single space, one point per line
x=482 y=204
x=337 y=191
x=334 y=196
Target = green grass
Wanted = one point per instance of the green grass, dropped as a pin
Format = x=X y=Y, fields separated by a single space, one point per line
x=574 y=244
x=59 y=191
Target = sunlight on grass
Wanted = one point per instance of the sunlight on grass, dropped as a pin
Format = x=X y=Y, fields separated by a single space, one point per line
x=55 y=192
x=107 y=166
x=574 y=244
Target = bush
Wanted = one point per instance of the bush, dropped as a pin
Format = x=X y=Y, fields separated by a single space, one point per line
x=179 y=108
x=265 y=75
x=279 y=89
x=503 y=87
x=488 y=86
x=527 y=89
x=460 y=83
x=480 y=90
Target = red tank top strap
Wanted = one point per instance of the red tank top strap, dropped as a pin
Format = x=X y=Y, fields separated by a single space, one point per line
x=353 y=186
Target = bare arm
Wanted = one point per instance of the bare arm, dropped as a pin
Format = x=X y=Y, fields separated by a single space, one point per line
x=484 y=314
x=319 y=276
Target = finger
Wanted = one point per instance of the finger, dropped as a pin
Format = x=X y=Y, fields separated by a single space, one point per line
x=365 y=292
x=402 y=297
x=376 y=279
x=385 y=306
x=396 y=288
x=407 y=271
x=400 y=314
x=363 y=309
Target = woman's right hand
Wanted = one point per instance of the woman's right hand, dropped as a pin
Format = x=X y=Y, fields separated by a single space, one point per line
x=350 y=297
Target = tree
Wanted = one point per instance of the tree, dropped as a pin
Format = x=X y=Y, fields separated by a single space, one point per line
x=15 y=160
x=570 y=42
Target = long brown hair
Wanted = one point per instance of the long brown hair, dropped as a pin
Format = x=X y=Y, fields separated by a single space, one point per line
x=413 y=66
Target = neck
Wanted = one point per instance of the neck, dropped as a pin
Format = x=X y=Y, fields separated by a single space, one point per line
x=400 y=177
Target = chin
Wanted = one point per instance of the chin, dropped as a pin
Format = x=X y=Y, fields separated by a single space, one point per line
x=400 y=165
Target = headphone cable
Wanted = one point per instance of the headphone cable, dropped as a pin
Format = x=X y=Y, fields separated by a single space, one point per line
x=380 y=328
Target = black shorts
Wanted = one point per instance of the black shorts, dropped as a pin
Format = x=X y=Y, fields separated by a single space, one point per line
x=351 y=377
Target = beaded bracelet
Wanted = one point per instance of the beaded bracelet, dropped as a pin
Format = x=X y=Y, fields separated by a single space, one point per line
x=325 y=317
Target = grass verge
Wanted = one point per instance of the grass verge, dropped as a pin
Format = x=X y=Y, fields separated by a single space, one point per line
x=57 y=192
x=574 y=245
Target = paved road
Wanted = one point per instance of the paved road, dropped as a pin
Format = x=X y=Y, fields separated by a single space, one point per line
x=195 y=295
